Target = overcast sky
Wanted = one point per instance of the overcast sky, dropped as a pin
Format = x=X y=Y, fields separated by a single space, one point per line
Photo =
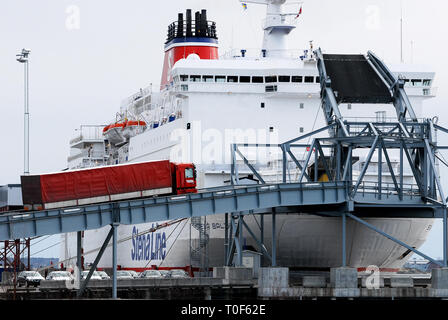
x=81 y=69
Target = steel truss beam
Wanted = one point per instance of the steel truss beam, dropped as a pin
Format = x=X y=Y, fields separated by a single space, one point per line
x=95 y=263
x=236 y=240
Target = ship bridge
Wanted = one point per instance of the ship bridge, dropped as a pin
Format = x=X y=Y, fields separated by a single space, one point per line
x=325 y=185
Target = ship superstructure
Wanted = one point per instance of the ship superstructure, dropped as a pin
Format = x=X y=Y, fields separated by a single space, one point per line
x=206 y=103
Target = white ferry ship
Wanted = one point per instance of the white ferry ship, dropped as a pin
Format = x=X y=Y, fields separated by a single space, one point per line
x=206 y=102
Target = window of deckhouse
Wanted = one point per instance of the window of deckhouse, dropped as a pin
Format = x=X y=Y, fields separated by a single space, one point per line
x=257 y=79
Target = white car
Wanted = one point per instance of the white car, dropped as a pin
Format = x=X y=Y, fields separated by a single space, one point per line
x=135 y=274
x=147 y=274
x=95 y=275
x=165 y=273
x=29 y=278
x=178 y=273
x=59 y=276
x=123 y=274
x=103 y=275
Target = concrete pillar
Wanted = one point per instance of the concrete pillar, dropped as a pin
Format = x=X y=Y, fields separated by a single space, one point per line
x=344 y=282
x=273 y=282
x=114 y=260
x=219 y=272
x=274 y=242
x=439 y=282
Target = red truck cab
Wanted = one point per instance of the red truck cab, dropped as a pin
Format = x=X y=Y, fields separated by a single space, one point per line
x=184 y=178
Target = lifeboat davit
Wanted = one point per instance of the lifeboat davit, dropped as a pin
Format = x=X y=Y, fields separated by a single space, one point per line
x=131 y=128
x=113 y=133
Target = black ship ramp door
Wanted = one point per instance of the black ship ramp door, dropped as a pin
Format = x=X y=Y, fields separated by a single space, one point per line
x=354 y=80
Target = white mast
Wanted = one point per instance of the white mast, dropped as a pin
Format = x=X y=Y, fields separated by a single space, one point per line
x=276 y=27
x=401 y=31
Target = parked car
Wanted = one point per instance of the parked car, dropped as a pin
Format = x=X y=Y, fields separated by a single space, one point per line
x=123 y=274
x=103 y=275
x=95 y=275
x=178 y=273
x=165 y=273
x=135 y=274
x=59 y=276
x=151 y=274
x=29 y=278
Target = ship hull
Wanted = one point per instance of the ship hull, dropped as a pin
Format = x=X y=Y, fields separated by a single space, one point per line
x=303 y=241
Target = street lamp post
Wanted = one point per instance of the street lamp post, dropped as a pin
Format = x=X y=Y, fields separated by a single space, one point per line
x=23 y=58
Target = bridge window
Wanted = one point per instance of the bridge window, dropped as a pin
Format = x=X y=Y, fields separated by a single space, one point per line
x=317 y=79
x=270 y=79
x=296 y=79
x=207 y=78
x=302 y=105
x=220 y=79
x=427 y=82
x=183 y=77
x=195 y=78
x=257 y=80
x=245 y=79
x=232 y=79
x=416 y=82
x=284 y=79
x=301 y=129
x=262 y=105
x=309 y=79
x=184 y=87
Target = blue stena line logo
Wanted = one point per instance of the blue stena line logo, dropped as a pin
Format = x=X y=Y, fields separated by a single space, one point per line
x=150 y=246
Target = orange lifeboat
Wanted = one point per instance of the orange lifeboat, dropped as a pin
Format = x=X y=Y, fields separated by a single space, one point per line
x=113 y=133
x=131 y=128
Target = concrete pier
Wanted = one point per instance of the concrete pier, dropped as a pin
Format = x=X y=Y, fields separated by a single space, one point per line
x=273 y=283
x=344 y=282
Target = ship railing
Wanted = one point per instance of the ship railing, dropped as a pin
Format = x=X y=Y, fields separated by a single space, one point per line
x=362 y=120
x=277 y=20
x=387 y=189
x=136 y=96
x=88 y=155
x=88 y=132
x=256 y=53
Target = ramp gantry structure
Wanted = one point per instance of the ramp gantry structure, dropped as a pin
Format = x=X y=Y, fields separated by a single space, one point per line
x=325 y=185
x=360 y=79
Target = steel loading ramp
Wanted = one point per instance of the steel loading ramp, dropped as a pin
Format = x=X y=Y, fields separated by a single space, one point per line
x=221 y=200
x=354 y=80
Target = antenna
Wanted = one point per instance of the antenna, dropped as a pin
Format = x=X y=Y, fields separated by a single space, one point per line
x=401 y=31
